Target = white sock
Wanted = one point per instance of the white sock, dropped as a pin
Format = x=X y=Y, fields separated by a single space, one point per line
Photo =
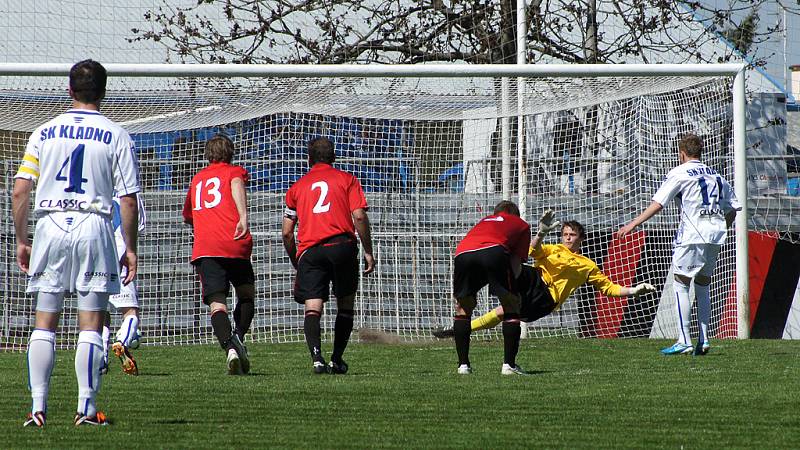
x=106 y=335
x=41 y=357
x=128 y=330
x=703 y=295
x=88 y=361
x=684 y=305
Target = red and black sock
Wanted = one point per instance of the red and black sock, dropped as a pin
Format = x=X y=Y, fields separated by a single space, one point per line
x=222 y=328
x=462 y=331
x=243 y=316
x=312 y=331
x=341 y=333
x=511 y=334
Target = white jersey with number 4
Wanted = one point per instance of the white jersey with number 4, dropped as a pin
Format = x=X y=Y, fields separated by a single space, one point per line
x=704 y=197
x=71 y=158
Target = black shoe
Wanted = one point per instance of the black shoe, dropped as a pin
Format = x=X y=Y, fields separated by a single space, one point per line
x=319 y=367
x=339 y=368
x=444 y=333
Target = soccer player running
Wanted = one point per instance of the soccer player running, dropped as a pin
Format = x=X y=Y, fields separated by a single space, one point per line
x=79 y=160
x=216 y=207
x=558 y=270
x=708 y=207
x=126 y=302
x=491 y=253
x=328 y=206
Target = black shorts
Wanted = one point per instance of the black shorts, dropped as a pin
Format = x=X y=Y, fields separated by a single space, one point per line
x=536 y=299
x=218 y=274
x=334 y=260
x=474 y=270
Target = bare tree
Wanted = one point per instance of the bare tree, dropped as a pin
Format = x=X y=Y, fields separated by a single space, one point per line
x=474 y=31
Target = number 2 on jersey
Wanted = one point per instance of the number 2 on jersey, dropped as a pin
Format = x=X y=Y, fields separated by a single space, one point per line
x=212 y=189
x=74 y=175
x=321 y=206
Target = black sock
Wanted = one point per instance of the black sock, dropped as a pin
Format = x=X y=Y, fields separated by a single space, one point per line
x=222 y=328
x=511 y=333
x=243 y=316
x=462 y=329
x=312 y=332
x=341 y=334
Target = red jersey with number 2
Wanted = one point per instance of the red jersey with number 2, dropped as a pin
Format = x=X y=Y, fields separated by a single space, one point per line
x=508 y=230
x=323 y=201
x=210 y=208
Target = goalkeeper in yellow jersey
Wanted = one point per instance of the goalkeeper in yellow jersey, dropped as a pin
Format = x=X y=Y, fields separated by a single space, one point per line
x=558 y=270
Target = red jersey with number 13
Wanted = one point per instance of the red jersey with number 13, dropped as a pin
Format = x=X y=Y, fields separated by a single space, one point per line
x=507 y=230
x=323 y=201
x=211 y=210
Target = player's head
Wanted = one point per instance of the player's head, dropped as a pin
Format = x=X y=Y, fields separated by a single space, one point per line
x=691 y=146
x=320 y=150
x=507 y=207
x=572 y=234
x=87 y=81
x=219 y=149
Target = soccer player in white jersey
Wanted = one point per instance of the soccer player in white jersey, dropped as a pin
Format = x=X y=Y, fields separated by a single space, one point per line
x=708 y=207
x=77 y=160
x=126 y=302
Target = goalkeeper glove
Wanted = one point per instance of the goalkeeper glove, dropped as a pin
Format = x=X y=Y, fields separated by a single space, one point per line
x=547 y=223
x=642 y=288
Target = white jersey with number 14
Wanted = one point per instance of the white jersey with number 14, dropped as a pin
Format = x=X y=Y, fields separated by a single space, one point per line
x=704 y=197
x=71 y=158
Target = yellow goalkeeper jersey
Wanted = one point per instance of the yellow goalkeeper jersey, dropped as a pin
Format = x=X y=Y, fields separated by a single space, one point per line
x=564 y=271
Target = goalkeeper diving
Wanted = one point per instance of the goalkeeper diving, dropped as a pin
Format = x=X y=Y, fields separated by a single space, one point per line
x=557 y=271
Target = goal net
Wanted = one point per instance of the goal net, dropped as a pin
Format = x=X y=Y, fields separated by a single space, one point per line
x=434 y=155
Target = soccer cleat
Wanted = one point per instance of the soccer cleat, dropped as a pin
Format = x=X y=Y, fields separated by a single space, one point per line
x=677 y=349
x=464 y=369
x=241 y=351
x=443 y=333
x=98 y=419
x=36 y=419
x=128 y=363
x=508 y=369
x=702 y=348
x=319 y=367
x=234 y=363
x=339 y=368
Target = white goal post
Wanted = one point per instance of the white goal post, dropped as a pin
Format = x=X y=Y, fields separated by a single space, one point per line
x=433 y=146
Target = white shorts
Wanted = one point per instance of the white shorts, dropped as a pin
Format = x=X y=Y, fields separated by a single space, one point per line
x=74 y=252
x=127 y=297
x=695 y=259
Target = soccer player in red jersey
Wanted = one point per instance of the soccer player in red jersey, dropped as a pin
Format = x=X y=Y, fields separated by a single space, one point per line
x=491 y=253
x=216 y=206
x=328 y=206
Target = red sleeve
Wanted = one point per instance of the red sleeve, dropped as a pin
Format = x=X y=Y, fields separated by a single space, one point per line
x=241 y=172
x=290 y=201
x=523 y=241
x=187 y=208
x=355 y=195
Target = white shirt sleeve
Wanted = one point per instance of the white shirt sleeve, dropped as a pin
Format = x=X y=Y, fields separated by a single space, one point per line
x=126 y=169
x=668 y=190
x=29 y=167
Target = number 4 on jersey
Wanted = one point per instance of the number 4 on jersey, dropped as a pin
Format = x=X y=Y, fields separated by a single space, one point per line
x=75 y=174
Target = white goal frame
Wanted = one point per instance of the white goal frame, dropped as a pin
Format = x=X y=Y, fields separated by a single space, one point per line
x=735 y=71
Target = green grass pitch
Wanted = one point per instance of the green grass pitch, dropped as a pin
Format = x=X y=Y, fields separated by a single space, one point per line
x=582 y=394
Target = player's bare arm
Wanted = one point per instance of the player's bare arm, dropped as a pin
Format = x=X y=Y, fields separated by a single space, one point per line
x=129 y=212
x=287 y=232
x=361 y=222
x=649 y=212
x=240 y=199
x=20 y=202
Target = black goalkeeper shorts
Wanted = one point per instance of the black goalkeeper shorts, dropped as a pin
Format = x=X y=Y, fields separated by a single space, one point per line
x=536 y=299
